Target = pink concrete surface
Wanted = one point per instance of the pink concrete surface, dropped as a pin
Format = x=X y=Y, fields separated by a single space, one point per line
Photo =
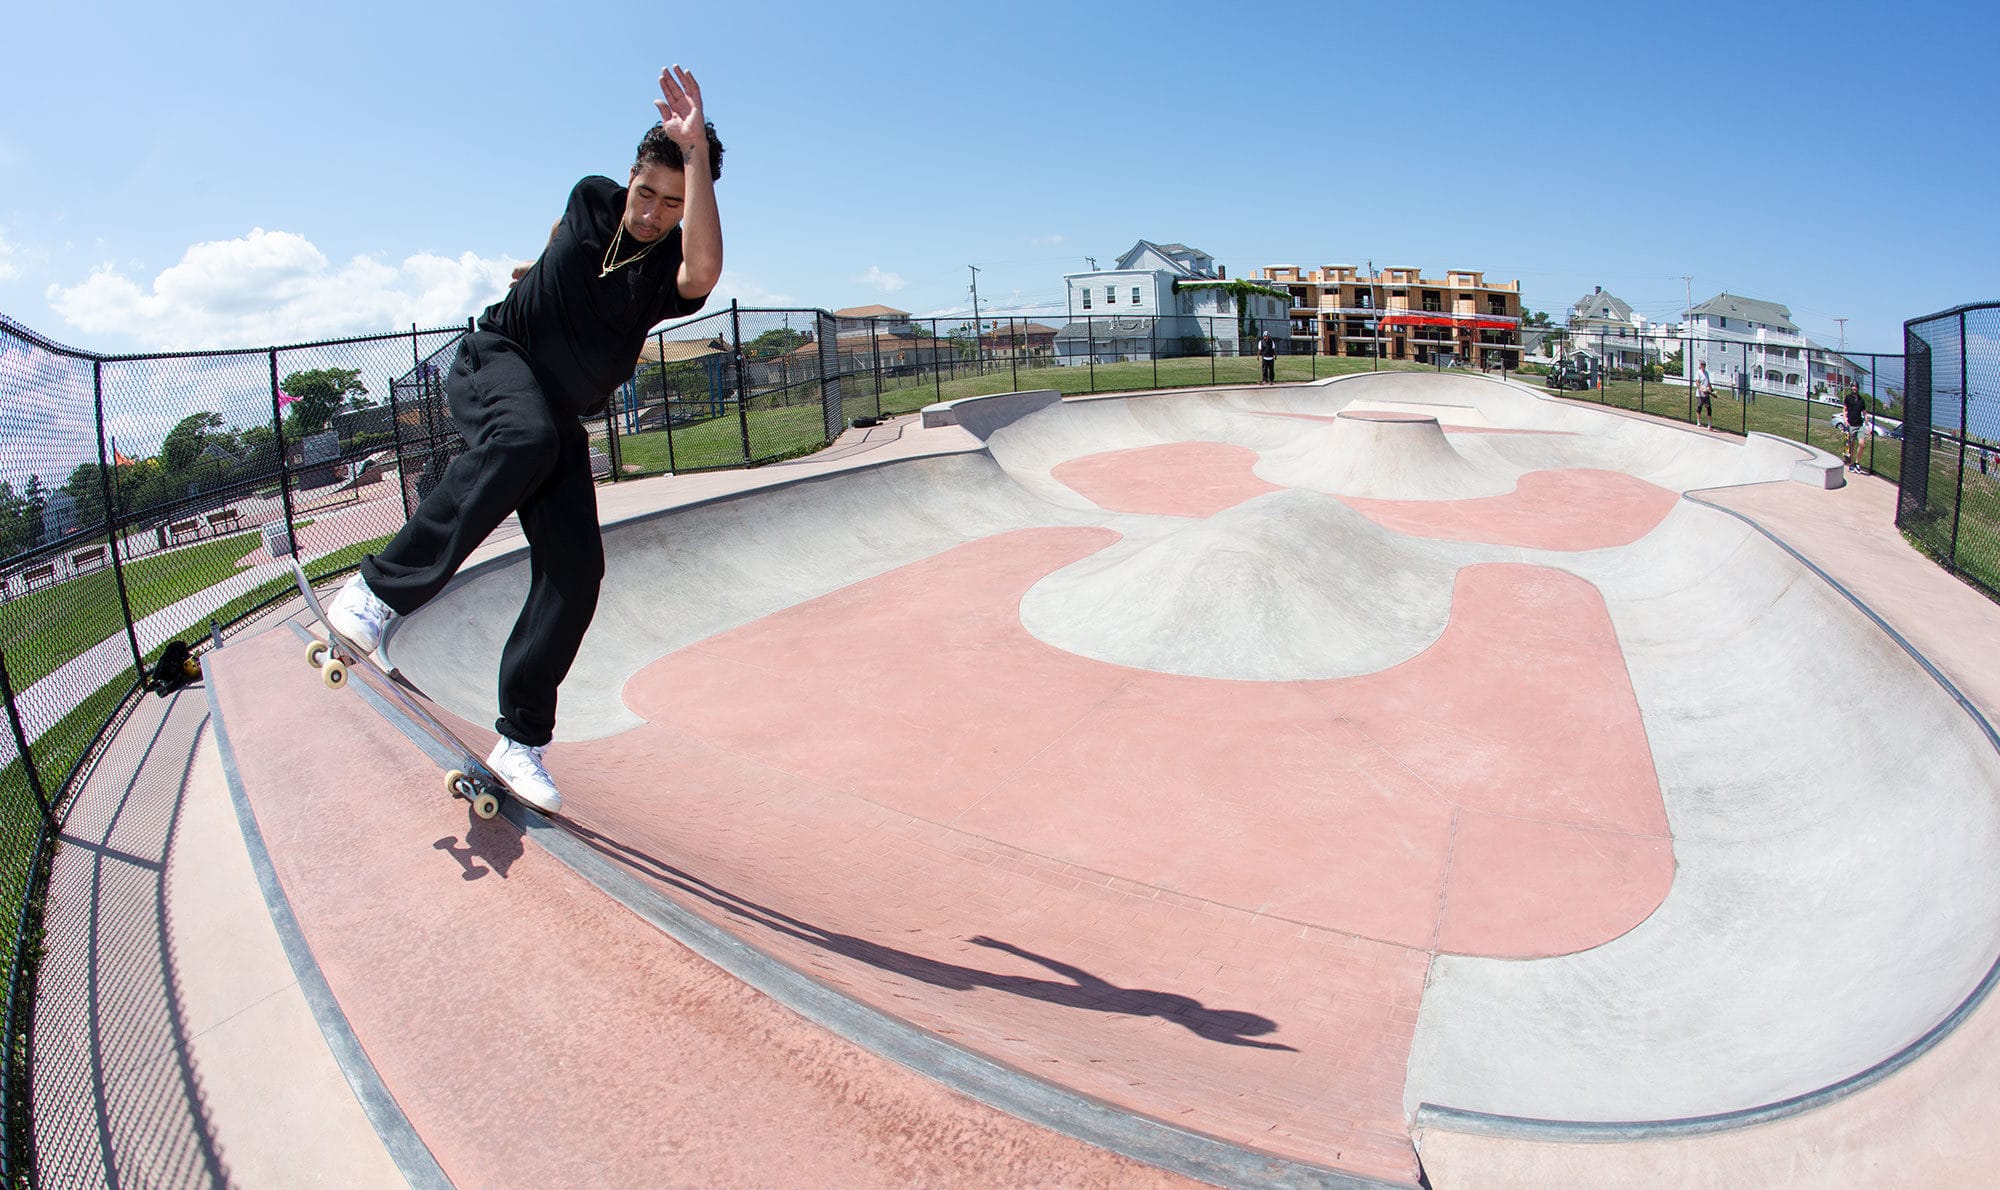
x=1573 y=509
x=1191 y=479
x=537 y=1034
x=1235 y=886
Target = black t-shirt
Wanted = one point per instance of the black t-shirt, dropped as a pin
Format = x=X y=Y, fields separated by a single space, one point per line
x=581 y=331
x=1854 y=407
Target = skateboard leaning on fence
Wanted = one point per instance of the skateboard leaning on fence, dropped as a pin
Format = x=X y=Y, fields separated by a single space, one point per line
x=337 y=658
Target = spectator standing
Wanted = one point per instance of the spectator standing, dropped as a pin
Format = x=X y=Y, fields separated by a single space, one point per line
x=1855 y=410
x=1704 y=397
x=1267 y=353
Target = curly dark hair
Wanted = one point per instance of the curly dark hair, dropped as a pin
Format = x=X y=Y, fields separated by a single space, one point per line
x=657 y=148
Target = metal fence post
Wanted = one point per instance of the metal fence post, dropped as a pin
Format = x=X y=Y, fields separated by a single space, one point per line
x=21 y=746
x=284 y=467
x=1211 y=349
x=1153 y=345
x=742 y=394
x=1014 y=356
x=104 y=465
x=1964 y=427
x=1743 y=392
x=937 y=372
x=1090 y=342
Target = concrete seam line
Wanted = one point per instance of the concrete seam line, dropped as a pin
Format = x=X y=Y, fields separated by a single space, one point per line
x=1497 y=1124
x=413 y=1158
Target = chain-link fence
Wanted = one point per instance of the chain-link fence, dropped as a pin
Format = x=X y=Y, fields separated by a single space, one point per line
x=893 y=365
x=1783 y=386
x=1949 y=503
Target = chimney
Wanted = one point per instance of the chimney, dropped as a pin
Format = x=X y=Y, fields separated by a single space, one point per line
x=1597 y=289
x=1221 y=273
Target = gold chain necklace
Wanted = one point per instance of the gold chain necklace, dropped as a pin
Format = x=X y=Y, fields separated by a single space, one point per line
x=609 y=264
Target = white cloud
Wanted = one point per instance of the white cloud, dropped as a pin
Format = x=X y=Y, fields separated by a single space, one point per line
x=1048 y=240
x=739 y=288
x=276 y=287
x=875 y=278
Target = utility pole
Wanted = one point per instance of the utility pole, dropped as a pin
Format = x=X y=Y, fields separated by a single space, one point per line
x=976 y=352
x=1687 y=331
x=1843 y=334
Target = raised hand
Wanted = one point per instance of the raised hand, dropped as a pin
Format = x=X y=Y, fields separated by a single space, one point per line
x=680 y=107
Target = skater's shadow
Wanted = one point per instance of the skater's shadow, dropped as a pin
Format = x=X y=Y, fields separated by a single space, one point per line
x=1076 y=988
x=495 y=841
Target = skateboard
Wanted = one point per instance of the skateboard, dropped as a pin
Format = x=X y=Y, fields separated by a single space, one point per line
x=337 y=658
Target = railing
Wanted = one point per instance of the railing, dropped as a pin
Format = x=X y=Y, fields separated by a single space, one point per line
x=1949 y=502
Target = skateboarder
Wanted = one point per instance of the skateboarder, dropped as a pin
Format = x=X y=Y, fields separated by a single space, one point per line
x=621 y=259
x=1267 y=352
x=1704 y=392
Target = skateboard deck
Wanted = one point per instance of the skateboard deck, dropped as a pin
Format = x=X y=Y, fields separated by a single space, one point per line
x=337 y=658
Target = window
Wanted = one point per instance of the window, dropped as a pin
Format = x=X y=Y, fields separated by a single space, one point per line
x=1111 y=295
x=1135 y=295
x=1086 y=297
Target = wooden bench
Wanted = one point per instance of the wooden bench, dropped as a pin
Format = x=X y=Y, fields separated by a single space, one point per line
x=33 y=575
x=86 y=560
x=226 y=517
x=187 y=528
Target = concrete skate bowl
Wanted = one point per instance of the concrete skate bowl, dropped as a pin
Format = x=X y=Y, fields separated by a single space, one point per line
x=1264 y=766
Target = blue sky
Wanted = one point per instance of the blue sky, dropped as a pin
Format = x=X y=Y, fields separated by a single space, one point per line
x=229 y=174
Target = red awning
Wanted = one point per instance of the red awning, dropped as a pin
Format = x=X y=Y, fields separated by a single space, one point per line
x=1477 y=324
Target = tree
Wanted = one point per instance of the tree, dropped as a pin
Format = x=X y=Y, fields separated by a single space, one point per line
x=1536 y=318
x=1673 y=364
x=19 y=527
x=774 y=343
x=317 y=394
x=184 y=443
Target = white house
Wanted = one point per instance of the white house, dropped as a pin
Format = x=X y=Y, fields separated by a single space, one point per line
x=1604 y=325
x=1738 y=335
x=1165 y=298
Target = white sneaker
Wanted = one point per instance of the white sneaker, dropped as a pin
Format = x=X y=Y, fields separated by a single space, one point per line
x=356 y=614
x=521 y=767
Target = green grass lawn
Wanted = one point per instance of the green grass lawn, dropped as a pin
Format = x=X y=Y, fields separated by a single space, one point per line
x=43 y=630
x=906 y=394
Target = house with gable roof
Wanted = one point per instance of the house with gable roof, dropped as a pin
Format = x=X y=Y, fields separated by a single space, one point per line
x=1606 y=326
x=1735 y=335
x=1163 y=297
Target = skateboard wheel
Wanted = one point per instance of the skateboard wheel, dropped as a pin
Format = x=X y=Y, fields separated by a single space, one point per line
x=316 y=652
x=461 y=785
x=333 y=671
x=485 y=804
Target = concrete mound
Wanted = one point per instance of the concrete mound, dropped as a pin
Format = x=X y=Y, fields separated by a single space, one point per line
x=1289 y=586
x=1383 y=456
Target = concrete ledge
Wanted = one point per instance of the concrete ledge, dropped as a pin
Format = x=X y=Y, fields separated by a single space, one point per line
x=1818 y=469
x=980 y=416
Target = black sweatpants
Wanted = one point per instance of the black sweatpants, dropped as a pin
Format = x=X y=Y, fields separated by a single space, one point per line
x=521 y=455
